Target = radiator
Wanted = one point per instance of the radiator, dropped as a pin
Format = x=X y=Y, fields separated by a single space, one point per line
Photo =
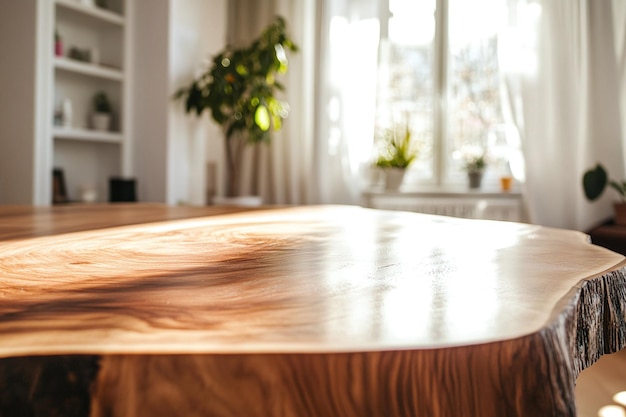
x=470 y=207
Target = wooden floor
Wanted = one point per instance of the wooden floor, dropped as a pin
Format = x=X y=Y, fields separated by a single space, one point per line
x=597 y=385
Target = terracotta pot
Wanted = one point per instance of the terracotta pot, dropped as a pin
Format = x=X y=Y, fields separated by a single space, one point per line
x=620 y=213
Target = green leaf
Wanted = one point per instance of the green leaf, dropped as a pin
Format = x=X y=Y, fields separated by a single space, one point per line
x=594 y=182
x=262 y=118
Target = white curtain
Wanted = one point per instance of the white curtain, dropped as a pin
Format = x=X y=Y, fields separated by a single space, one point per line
x=619 y=25
x=566 y=102
x=349 y=33
x=281 y=172
x=331 y=89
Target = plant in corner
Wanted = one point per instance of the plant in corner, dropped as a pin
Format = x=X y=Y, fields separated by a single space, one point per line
x=102 y=109
x=239 y=90
x=397 y=154
x=595 y=180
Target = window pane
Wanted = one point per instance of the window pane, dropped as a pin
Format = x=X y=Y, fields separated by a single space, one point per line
x=405 y=87
x=474 y=116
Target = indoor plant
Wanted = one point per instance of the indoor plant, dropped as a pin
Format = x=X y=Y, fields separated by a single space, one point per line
x=397 y=154
x=239 y=89
x=101 y=116
x=595 y=180
x=475 y=165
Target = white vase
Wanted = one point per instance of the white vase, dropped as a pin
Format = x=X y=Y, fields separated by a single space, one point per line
x=101 y=121
x=394 y=178
x=66 y=112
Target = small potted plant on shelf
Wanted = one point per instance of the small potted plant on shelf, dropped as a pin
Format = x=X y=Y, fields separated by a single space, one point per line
x=595 y=180
x=101 y=116
x=398 y=152
x=240 y=91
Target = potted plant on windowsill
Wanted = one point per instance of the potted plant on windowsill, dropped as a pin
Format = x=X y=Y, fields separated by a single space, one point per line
x=397 y=154
x=595 y=180
x=239 y=90
x=475 y=167
x=101 y=116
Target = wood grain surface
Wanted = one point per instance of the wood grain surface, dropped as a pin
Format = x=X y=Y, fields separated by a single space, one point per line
x=309 y=311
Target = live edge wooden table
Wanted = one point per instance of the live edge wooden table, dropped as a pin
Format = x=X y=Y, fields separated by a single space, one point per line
x=320 y=311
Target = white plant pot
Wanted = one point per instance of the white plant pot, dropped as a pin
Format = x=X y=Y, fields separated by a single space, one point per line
x=394 y=178
x=101 y=121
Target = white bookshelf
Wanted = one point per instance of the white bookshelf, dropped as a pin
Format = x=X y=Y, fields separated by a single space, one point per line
x=89 y=157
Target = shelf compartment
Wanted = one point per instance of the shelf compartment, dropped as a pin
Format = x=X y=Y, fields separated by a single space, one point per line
x=86 y=135
x=93 y=12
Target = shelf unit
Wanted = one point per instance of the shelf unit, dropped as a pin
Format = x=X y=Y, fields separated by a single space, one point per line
x=89 y=157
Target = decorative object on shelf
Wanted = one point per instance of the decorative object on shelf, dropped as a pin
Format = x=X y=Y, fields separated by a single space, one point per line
x=83 y=55
x=88 y=194
x=506 y=183
x=58 y=44
x=397 y=154
x=595 y=180
x=101 y=116
x=59 y=193
x=58 y=116
x=239 y=89
x=122 y=190
x=67 y=112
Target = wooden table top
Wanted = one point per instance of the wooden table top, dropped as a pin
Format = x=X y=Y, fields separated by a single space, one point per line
x=280 y=280
x=522 y=307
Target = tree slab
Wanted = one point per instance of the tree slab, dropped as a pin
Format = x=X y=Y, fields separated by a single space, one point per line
x=297 y=311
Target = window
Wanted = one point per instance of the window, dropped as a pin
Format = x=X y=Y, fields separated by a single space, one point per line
x=439 y=73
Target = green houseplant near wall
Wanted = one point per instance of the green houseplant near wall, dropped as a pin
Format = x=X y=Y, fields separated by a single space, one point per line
x=595 y=180
x=239 y=90
x=397 y=154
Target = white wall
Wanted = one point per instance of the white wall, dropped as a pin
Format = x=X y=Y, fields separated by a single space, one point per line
x=18 y=24
x=171 y=40
x=150 y=98
x=197 y=32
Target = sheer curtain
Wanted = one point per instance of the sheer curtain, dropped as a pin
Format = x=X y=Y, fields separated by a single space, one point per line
x=331 y=89
x=349 y=33
x=619 y=24
x=564 y=97
x=281 y=172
